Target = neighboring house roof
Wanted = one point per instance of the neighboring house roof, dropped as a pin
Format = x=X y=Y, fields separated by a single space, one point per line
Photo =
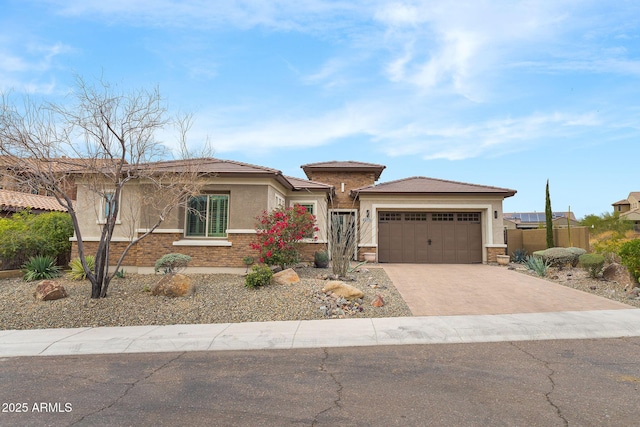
x=345 y=166
x=423 y=185
x=17 y=201
x=621 y=202
x=535 y=217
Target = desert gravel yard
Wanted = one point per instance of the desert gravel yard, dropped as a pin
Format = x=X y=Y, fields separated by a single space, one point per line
x=219 y=298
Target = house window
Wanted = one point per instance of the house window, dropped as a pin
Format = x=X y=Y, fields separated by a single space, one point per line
x=279 y=201
x=309 y=207
x=208 y=216
x=108 y=206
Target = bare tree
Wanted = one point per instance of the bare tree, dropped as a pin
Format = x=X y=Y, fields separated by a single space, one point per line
x=106 y=139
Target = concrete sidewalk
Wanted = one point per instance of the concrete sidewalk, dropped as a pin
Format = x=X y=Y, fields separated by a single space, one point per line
x=323 y=333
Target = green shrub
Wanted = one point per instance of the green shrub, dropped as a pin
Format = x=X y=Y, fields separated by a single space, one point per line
x=609 y=249
x=592 y=263
x=559 y=257
x=538 y=265
x=40 y=268
x=77 y=272
x=172 y=263
x=260 y=276
x=321 y=259
x=577 y=252
x=27 y=234
x=630 y=256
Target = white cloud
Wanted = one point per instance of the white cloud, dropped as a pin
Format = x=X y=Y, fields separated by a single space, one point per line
x=26 y=66
x=488 y=138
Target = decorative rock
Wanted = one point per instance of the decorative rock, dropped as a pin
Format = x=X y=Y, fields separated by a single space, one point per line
x=378 y=301
x=174 y=285
x=48 y=290
x=285 y=277
x=618 y=273
x=342 y=289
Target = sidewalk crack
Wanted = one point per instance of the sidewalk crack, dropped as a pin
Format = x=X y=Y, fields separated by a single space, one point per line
x=550 y=375
x=130 y=387
x=337 y=403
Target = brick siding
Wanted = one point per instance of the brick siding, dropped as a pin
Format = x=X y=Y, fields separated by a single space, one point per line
x=492 y=253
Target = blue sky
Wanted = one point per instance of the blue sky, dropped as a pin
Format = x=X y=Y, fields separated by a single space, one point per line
x=503 y=93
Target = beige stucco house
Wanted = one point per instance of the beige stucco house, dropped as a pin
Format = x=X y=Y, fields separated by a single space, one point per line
x=417 y=220
x=629 y=209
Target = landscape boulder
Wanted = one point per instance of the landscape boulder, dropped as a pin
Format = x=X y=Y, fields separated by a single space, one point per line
x=48 y=290
x=378 y=301
x=618 y=273
x=285 y=277
x=174 y=285
x=343 y=290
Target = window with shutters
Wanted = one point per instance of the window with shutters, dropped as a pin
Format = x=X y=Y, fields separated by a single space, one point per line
x=207 y=216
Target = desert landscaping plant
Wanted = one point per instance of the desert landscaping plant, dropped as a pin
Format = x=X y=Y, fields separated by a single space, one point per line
x=321 y=259
x=172 y=263
x=560 y=257
x=26 y=234
x=592 y=263
x=548 y=213
x=40 y=268
x=77 y=270
x=279 y=235
x=537 y=264
x=260 y=276
x=630 y=256
x=519 y=256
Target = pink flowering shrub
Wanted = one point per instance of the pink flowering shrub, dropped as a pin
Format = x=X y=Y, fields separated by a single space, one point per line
x=279 y=234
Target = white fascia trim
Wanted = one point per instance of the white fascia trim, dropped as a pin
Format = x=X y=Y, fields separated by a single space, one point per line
x=495 y=245
x=241 y=231
x=97 y=239
x=196 y=242
x=161 y=230
x=369 y=245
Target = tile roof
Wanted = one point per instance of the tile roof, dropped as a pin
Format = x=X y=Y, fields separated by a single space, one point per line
x=348 y=165
x=305 y=184
x=219 y=167
x=621 y=202
x=424 y=185
x=15 y=201
x=55 y=164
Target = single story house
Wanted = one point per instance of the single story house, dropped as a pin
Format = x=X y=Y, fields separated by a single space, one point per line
x=529 y=220
x=629 y=209
x=412 y=220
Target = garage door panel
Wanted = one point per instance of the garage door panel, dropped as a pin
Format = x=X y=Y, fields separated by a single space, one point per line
x=436 y=237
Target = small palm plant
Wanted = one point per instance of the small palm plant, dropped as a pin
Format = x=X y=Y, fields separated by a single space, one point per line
x=40 y=268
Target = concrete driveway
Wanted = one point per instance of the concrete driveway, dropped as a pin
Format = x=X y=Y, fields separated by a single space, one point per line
x=448 y=290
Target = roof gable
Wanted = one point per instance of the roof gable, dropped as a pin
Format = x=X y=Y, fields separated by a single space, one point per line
x=425 y=185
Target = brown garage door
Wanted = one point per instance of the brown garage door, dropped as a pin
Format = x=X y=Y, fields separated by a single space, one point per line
x=430 y=237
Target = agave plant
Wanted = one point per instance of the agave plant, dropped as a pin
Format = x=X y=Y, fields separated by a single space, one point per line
x=77 y=272
x=40 y=268
x=537 y=264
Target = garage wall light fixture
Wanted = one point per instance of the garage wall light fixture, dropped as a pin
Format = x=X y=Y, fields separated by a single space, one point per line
x=495 y=214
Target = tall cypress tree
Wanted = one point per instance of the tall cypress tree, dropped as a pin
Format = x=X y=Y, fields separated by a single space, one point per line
x=549 y=218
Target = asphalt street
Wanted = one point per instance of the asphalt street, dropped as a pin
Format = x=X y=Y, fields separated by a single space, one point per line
x=525 y=383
